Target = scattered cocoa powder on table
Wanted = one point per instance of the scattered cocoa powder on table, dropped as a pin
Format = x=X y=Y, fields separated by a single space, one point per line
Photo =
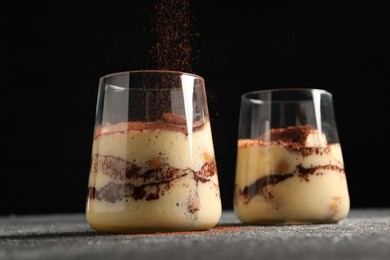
x=214 y=230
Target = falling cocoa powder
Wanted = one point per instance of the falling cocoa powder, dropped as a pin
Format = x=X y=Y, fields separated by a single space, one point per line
x=172 y=41
x=171 y=37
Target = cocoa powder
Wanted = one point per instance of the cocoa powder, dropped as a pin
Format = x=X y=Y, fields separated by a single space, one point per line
x=233 y=228
x=171 y=36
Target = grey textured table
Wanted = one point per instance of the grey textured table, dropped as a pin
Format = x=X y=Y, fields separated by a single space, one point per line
x=365 y=234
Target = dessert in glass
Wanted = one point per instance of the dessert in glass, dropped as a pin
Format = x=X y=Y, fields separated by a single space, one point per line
x=289 y=167
x=153 y=167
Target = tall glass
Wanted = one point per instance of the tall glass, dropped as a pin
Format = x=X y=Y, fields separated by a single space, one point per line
x=153 y=166
x=289 y=165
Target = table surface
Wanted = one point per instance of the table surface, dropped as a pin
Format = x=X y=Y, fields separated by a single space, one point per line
x=364 y=234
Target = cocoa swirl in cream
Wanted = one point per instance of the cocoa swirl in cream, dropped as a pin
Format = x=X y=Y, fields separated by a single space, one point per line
x=141 y=182
x=259 y=186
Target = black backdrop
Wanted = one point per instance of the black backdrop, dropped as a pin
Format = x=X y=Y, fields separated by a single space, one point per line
x=53 y=54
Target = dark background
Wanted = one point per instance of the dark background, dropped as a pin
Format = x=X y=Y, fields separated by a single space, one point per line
x=53 y=54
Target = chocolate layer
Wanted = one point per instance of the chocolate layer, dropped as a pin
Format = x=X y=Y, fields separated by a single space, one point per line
x=259 y=187
x=137 y=182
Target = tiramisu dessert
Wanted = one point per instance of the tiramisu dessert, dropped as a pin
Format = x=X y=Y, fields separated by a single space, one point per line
x=153 y=176
x=290 y=175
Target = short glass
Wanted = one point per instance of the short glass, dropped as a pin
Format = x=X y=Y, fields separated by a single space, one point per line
x=289 y=167
x=153 y=167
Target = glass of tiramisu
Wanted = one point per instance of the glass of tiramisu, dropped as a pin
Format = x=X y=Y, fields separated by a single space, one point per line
x=289 y=167
x=153 y=167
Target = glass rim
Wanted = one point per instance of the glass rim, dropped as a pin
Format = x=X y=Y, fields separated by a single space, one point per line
x=247 y=95
x=150 y=71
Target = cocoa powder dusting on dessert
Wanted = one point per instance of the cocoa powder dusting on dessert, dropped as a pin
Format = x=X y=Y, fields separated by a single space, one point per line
x=291 y=134
x=167 y=121
x=173 y=119
x=294 y=138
